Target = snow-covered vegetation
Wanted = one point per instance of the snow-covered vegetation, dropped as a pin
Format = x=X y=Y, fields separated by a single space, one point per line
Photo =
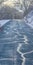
x=10 y=9
x=29 y=19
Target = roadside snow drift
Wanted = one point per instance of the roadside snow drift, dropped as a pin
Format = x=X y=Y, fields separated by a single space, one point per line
x=29 y=19
x=2 y=22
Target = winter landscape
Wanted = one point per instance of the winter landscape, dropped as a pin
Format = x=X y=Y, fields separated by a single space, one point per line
x=16 y=34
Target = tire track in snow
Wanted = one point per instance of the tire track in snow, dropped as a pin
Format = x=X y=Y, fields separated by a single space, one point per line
x=22 y=54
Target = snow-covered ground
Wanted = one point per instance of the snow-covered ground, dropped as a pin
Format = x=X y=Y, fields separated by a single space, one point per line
x=28 y=22
x=2 y=22
x=29 y=19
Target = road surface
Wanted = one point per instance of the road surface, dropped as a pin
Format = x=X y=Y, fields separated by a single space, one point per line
x=16 y=44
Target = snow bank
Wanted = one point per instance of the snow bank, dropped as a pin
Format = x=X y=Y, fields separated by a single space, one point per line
x=2 y=22
x=29 y=19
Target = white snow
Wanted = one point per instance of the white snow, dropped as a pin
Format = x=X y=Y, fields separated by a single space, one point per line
x=2 y=22
x=29 y=19
x=23 y=54
x=25 y=39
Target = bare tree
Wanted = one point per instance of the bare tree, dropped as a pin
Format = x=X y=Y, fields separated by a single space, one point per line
x=27 y=4
x=28 y=7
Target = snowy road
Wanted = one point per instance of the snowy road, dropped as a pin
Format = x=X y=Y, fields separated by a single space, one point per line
x=16 y=44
